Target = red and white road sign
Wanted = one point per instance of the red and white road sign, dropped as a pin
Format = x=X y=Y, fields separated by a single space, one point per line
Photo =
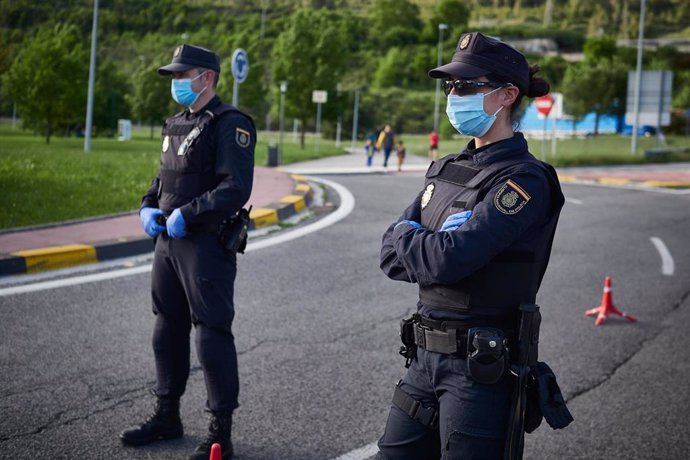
x=544 y=104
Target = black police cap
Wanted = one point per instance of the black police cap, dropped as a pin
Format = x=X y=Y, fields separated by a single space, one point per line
x=478 y=55
x=187 y=57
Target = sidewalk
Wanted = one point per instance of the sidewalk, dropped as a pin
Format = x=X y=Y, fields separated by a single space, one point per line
x=277 y=195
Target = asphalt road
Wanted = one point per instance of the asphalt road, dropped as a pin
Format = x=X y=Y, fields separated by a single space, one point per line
x=316 y=331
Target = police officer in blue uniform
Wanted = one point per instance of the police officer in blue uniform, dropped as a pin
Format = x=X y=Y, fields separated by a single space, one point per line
x=206 y=173
x=477 y=241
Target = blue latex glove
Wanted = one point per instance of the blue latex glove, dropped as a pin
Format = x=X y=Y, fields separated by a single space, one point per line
x=176 y=225
x=411 y=223
x=455 y=220
x=148 y=221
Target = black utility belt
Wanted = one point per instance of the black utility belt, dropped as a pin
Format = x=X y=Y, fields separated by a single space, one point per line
x=207 y=227
x=451 y=341
x=232 y=233
x=484 y=348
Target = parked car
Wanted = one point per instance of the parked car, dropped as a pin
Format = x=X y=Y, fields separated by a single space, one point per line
x=642 y=130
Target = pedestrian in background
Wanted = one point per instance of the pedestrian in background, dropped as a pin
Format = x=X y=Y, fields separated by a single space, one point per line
x=433 y=145
x=369 y=150
x=400 y=151
x=370 y=146
x=386 y=142
x=476 y=241
x=206 y=174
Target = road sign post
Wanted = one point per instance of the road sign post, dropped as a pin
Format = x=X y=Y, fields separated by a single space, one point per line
x=240 y=69
x=318 y=97
x=544 y=105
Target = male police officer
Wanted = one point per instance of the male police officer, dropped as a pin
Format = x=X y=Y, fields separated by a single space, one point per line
x=476 y=241
x=206 y=173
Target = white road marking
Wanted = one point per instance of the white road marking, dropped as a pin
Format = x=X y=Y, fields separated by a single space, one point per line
x=573 y=201
x=667 y=264
x=347 y=204
x=361 y=453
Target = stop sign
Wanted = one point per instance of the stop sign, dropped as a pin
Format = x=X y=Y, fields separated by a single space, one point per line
x=544 y=104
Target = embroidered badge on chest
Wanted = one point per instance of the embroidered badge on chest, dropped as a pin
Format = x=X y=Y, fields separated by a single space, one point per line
x=511 y=198
x=427 y=195
x=166 y=143
x=242 y=137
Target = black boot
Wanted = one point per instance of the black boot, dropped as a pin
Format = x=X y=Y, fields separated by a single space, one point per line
x=165 y=423
x=219 y=430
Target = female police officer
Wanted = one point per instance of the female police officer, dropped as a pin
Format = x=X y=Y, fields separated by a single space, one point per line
x=477 y=241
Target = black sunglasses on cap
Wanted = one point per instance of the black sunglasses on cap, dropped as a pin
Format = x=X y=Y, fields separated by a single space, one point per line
x=462 y=86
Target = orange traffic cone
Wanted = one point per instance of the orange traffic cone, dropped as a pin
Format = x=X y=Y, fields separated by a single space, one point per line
x=215 y=452
x=606 y=308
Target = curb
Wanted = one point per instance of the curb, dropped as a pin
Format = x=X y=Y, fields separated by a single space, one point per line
x=624 y=182
x=54 y=257
x=287 y=206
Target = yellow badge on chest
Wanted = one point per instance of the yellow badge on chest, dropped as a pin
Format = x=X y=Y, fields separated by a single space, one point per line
x=427 y=194
x=166 y=144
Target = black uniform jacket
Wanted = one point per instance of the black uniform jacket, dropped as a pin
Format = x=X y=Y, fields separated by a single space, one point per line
x=498 y=257
x=222 y=157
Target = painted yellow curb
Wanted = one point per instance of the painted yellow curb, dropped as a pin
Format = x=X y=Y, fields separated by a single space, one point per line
x=303 y=188
x=57 y=257
x=613 y=180
x=567 y=178
x=666 y=183
x=263 y=217
x=298 y=177
x=296 y=200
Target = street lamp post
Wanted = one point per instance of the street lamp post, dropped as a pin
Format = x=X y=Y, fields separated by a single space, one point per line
x=355 y=120
x=92 y=77
x=638 y=78
x=441 y=28
x=283 y=90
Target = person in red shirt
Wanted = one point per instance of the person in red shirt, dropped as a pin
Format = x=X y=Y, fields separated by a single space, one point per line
x=433 y=145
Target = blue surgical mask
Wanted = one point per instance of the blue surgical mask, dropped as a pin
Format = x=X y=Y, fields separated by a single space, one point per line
x=467 y=115
x=182 y=92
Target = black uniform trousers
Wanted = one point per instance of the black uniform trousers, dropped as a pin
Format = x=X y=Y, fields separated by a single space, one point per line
x=472 y=418
x=192 y=283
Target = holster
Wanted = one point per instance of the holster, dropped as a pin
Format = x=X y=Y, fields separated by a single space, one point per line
x=232 y=233
x=526 y=357
x=409 y=348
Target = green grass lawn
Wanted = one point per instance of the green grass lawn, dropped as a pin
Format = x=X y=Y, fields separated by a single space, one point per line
x=44 y=183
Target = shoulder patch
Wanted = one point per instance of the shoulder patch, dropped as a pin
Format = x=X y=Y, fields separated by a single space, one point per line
x=511 y=198
x=242 y=137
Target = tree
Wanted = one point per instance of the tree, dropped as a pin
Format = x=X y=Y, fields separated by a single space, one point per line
x=595 y=87
x=395 y=22
x=310 y=55
x=48 y=79
x=597 y=48
x=151 y=101
x=455 y=14
x=110 y=98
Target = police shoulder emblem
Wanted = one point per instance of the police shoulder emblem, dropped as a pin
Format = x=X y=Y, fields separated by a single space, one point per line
x=166 y=143
x=511 y=198
x=427 y=194
x=242 y=137
x=465 y=41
